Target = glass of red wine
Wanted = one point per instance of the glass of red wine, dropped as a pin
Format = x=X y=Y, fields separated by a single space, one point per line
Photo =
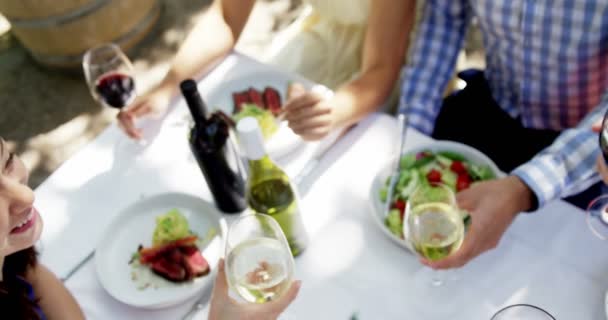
x=597 y=210
x=109 y=75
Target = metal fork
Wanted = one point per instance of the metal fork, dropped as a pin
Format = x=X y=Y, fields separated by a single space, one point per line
x=402 y=119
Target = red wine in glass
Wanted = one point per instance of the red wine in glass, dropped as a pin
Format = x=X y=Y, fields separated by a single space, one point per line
x=109 y=75
x=115 y=89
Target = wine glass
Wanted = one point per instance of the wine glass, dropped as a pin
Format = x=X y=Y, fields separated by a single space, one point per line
x=433 y=223
x=597 y=216
x=259 y=262
x=522 y=311
x=597 y=210
x=109 y=75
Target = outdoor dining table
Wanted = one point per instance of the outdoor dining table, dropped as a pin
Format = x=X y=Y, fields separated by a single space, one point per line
x=350 y=269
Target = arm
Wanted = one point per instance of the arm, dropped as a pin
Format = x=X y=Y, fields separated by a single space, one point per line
x=566 y=167
x=440 y=36
x=384 y=47
x=55 y=299
x=212 y=37
x=386 y=41
x=601 y=165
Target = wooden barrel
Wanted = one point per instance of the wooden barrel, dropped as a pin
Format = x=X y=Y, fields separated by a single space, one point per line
x=58 y=32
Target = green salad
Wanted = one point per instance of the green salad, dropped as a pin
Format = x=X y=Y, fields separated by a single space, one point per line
x=449 y=168
x=265 y=118
x=170 y=227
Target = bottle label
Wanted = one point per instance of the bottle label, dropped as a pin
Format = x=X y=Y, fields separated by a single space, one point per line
x=275 y=197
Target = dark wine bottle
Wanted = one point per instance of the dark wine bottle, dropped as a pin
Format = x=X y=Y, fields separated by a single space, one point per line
x=215 y=153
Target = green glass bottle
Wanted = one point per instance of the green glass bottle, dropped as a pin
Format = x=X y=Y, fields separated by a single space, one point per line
x=269 y=190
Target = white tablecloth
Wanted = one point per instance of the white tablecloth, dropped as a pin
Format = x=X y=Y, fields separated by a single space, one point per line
x=548 y=258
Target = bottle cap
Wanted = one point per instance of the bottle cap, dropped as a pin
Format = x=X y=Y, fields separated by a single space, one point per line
x=250 y=138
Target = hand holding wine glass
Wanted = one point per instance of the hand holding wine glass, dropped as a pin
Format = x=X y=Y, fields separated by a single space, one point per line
x=153 y=103
x=258 y=259
x=109 y=75
x=434 y=224
x=225 y=308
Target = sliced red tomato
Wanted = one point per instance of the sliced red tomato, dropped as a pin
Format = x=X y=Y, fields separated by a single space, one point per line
x=463 y=182
x=458 y=167
x=433 y=176
x=400 y=205
x=423 y=154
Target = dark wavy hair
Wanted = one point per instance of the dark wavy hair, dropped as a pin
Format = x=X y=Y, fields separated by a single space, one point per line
x=14 y=299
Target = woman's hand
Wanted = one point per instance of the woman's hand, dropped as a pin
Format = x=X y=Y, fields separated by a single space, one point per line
x=153 y=103
x=309 y=115
x=225 y=308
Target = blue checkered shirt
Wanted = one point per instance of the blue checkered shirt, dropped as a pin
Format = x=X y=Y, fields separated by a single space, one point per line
x=546 y=64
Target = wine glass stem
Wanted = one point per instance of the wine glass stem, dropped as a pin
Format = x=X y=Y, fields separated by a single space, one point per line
x=437 y=278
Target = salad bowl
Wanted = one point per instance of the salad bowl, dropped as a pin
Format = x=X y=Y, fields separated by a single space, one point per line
x=451 y=163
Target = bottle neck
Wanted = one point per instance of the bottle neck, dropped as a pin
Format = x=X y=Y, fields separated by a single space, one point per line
x=199 y=114
x=194 y=101
x=262 y=164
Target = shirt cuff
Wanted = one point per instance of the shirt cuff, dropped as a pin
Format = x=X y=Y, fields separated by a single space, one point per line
x=543 y=181
x=419 y=118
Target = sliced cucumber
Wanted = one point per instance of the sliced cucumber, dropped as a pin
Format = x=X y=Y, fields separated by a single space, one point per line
x=411 y=186
x=407 y=161
x=478 y=172
x=430 y=166
x=383 y=194
x=422 y=162
x=404 y=178
x=449 y=178
x=445 y=161
x=394 y=223
x=454 y=156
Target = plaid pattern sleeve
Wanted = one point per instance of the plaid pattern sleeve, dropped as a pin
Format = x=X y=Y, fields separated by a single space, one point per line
x=432 y=58
x=567 y=166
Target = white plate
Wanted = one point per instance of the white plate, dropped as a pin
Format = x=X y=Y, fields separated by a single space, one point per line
x=134 y=226
x=377 y=211
x=284 y=140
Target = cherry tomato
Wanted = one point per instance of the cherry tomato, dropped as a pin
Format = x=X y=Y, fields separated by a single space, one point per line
x=433 y=176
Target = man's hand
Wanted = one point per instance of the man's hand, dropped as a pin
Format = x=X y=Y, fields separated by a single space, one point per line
x=225 y=308
x=153 y=103
x=492 y=205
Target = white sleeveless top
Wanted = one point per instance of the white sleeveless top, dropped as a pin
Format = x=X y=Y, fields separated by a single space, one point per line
x=325 y=43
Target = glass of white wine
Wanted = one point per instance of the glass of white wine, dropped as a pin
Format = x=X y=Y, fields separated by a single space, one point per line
x=434 y=224
x=522 y=311
x=259 y=262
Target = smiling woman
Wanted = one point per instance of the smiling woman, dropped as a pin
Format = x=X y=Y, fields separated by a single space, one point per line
x=27 y=289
